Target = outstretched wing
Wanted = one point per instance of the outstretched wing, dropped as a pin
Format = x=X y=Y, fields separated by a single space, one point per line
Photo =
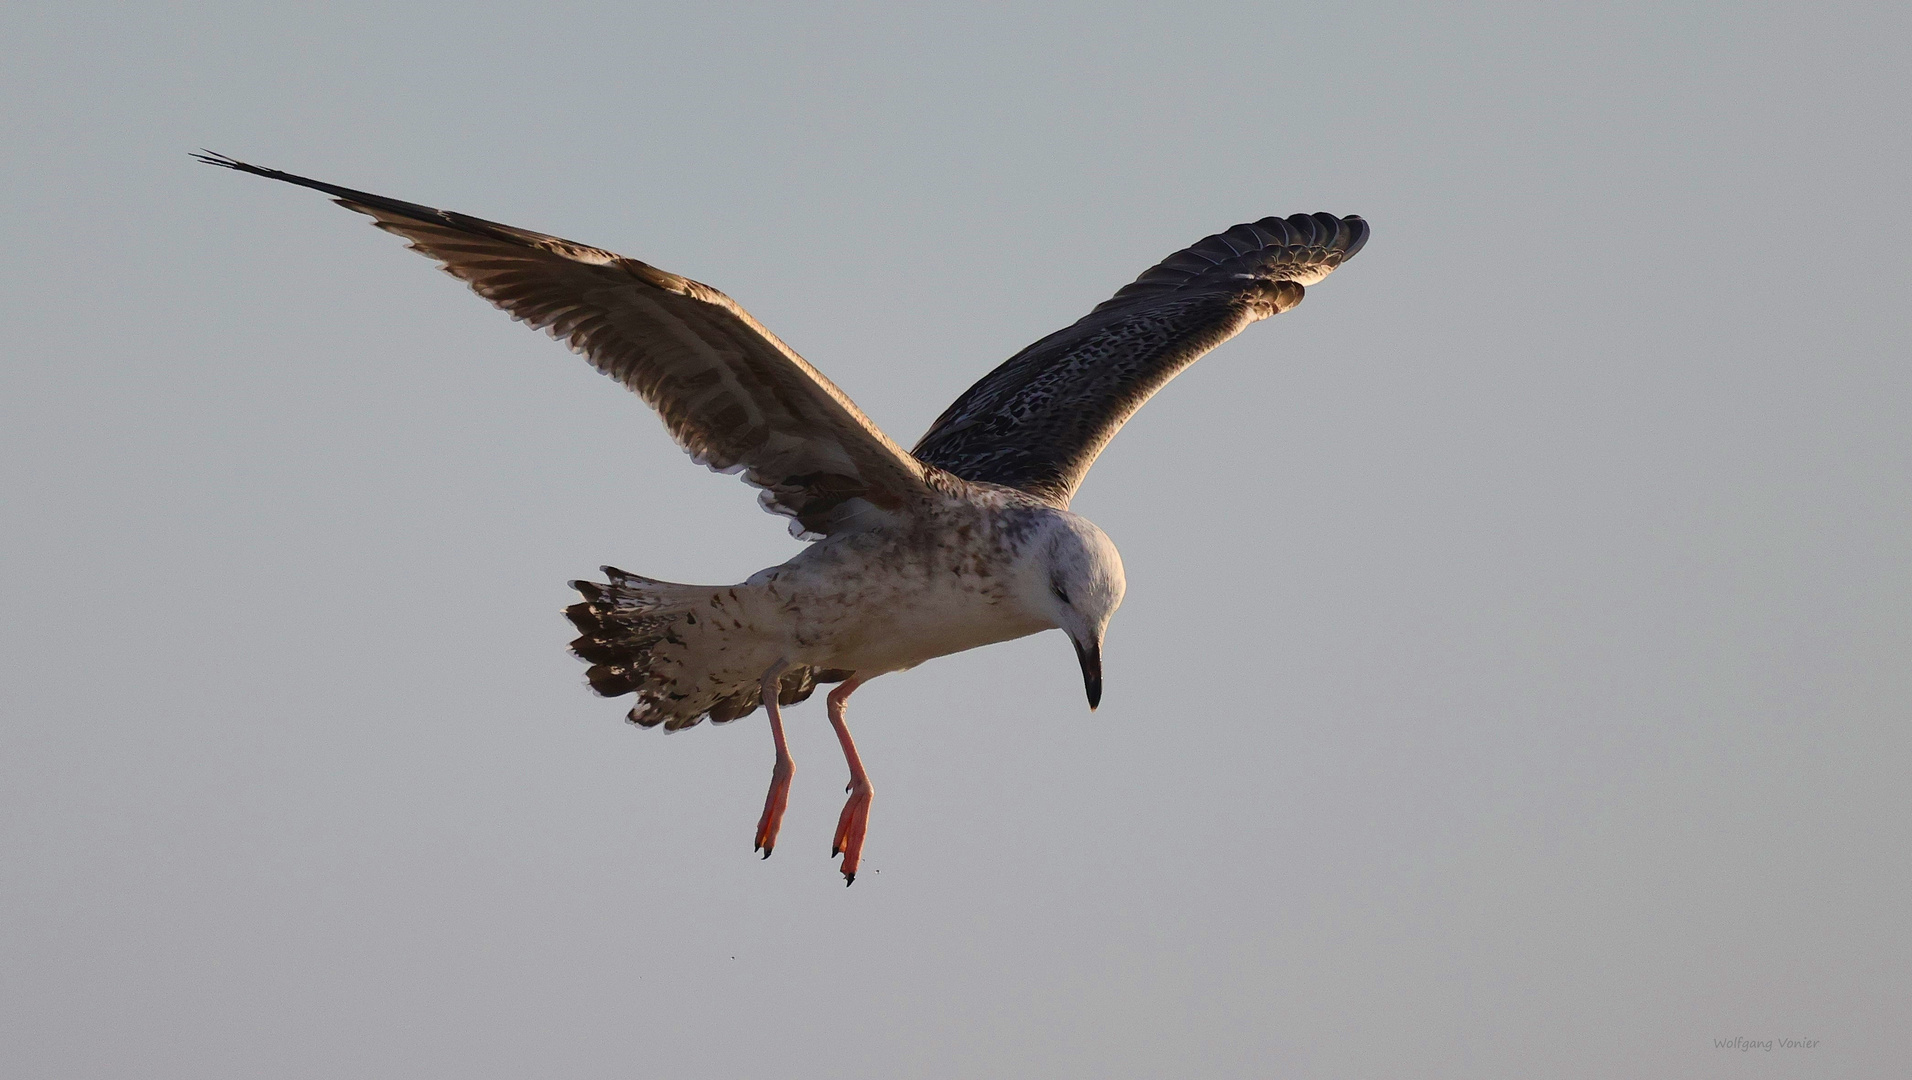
x=1038 y=421
x=735 y=397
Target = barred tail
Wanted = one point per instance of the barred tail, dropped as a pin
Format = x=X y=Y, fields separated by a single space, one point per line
x=634 y=633
x=622 y=623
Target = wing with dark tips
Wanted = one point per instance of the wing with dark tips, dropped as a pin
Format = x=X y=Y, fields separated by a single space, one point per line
x=1038 y=421
x=734 y=396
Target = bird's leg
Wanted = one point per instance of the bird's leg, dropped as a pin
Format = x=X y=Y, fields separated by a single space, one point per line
x=856 y=812
x=779 y=796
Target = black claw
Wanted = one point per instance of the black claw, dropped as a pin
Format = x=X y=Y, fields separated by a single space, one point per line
x=849 y=880
x=766 y=852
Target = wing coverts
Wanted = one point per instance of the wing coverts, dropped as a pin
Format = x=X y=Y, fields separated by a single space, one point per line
x=733 y=395
x=1038 y=421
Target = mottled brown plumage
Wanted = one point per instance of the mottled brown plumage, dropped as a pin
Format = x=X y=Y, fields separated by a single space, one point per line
x=1038 y=421
x=966 y=542
x=732 y=394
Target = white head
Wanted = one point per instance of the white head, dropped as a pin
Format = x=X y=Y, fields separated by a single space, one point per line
x=1074 y=580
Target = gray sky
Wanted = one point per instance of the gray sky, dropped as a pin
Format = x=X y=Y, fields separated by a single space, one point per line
x=1513 y=674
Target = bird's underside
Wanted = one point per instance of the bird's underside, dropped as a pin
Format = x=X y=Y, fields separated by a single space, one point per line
x=963 y=541
x=876 y=600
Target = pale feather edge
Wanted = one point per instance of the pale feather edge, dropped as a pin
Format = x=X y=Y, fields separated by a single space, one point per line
x=766 y=498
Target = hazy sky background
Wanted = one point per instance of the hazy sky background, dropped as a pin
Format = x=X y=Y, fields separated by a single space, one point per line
x=1513 y=678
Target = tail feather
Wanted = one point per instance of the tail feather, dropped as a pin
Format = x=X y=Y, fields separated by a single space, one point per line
x=621 y=624
x=632 y=631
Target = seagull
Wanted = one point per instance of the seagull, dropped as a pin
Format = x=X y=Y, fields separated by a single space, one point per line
x=964 y=541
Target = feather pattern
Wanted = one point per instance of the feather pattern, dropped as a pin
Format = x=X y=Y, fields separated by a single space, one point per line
x=733 y=395
x=1038 y=421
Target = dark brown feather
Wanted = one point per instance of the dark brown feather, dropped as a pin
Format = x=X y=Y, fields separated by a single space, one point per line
x=731 y=393
x=1038 y=421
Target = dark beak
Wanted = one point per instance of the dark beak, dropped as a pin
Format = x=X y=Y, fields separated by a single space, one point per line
x=1091 y=658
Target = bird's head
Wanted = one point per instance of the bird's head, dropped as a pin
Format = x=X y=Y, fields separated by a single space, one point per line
x=1075 y=581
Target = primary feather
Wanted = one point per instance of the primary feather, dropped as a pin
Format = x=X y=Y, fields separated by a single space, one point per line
x=1037 y=422
x=732 y=394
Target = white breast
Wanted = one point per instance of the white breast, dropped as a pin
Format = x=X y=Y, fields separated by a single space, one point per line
x=873 y=605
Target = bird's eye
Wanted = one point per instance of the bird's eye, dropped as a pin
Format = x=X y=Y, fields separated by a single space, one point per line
x=1061 y=594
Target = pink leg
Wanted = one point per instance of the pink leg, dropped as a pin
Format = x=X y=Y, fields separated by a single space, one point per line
x=779 y=796
x=856 y=812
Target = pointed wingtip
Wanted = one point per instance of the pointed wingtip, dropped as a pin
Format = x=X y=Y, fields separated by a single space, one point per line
x=214 y=157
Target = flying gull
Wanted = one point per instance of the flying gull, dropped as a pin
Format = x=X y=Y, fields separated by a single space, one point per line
x=964 y=541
